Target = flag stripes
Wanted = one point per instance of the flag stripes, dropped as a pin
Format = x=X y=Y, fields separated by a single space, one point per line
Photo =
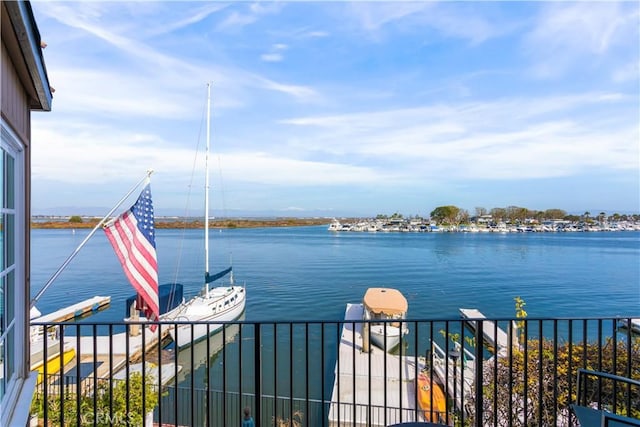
x=132 y=237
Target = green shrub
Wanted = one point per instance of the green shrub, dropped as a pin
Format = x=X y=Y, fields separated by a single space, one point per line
x=108 y=410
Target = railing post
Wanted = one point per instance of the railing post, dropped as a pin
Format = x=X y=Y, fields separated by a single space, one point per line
x=479 y=374
x=258 y=374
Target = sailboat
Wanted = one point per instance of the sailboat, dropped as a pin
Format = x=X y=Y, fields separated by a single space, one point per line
x=222 y=303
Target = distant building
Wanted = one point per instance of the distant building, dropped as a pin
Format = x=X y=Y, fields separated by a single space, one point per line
x=25 y=88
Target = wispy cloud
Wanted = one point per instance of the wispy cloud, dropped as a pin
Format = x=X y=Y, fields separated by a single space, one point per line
x=444 y=99
x=249 y=14
x=459 y=21
x=564 y=33
x=271 y=57
x=628 y=72
x=317 y=34
x=276 y=53
x=504 y=139
x=194 y=16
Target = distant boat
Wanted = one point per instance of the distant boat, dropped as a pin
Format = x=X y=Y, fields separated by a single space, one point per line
x=431 y=399
x=382 y=305
x=335 y=225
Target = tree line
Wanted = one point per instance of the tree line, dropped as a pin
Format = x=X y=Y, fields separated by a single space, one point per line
x=451 y=214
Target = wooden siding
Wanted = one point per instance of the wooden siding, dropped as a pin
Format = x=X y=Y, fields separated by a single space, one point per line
x=15 y=107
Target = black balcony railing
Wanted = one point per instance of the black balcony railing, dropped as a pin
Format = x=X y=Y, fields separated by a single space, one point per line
x=499 y=372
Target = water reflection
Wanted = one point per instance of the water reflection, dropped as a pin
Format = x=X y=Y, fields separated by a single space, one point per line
x=193 y=359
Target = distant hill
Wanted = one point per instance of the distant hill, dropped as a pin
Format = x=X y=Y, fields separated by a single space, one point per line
x=173 y=223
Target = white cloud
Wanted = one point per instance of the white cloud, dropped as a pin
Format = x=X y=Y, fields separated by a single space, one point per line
x=250 y=14
x=302 y=93
x=275 y=55
x=115 y=154
x=565 y=33
x=505 y=139
x=348 y=111
x=627 y=73
x=197 y=15
x=271 y=57
x=457 y=20
x=107 y=92
x=317 y=34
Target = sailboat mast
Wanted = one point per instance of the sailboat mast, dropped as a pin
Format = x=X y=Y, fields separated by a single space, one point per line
x=206 y=192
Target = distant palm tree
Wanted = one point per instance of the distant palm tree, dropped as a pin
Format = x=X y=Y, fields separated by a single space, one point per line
x=601 y=217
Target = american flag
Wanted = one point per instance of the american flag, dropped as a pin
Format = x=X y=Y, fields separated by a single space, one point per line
x=132 y=236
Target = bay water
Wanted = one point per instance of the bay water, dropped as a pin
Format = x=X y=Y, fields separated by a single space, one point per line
x=305 y=273
x=309 y=273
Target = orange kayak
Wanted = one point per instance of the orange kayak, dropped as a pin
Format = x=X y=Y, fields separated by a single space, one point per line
x=431 y=399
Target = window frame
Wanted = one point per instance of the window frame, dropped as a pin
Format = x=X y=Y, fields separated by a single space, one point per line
x=14 y=386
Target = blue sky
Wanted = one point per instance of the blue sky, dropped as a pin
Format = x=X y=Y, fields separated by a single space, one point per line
x=341 y=109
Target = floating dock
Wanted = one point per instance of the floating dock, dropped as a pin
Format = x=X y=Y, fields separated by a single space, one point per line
x=459 y=374
x=371 y=389
x=100 y=357
x=116 y=346
x=633 y=324
x=83 y=308
x=495 y=337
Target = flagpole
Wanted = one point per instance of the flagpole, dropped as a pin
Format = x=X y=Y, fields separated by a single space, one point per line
x=86 y=239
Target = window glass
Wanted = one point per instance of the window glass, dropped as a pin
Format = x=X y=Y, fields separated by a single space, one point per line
x=9 y=221
x=2 y=168
x=3 y=374
x=1 y=242
x=10 y=360
x=9 y=171
x=2 y=181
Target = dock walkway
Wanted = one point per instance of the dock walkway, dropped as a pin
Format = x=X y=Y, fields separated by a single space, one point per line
x=458 y=374
x=115 y=345
x=494 y=336
x=364 y=394
x=80 y=309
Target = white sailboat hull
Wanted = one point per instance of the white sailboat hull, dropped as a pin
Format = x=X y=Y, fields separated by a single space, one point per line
x=223 y=304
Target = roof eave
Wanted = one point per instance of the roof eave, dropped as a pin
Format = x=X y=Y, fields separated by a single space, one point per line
x=26 y=30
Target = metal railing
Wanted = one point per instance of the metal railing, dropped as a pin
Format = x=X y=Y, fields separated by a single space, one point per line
x=498 y=372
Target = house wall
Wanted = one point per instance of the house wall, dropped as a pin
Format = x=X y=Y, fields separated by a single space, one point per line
x=15 y=108
x=14 y=98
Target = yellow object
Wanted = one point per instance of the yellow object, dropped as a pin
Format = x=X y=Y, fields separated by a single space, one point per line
x=53 y=363
x=431 y=399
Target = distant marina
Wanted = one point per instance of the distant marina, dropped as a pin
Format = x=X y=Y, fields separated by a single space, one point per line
x=483 y=225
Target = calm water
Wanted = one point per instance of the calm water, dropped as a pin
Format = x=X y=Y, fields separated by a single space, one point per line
x=310 y=273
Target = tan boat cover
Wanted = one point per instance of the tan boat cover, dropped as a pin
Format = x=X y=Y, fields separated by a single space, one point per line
x=385 y=300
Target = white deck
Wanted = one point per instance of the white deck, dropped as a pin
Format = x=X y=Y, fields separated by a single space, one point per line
x=460 y=383
x=116 y=346
x=635 y=324
x=76 y=310
x=166 y=372
x=495 y=337
x=369 y=393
